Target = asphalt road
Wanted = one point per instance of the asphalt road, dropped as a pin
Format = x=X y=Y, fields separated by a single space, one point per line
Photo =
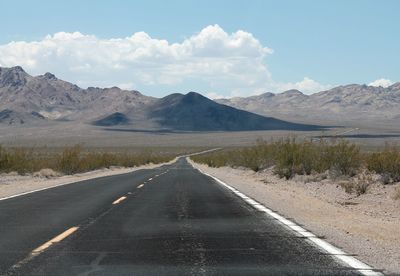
x=172 y=220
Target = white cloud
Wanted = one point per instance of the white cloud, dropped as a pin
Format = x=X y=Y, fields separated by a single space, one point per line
x=211 y=60
x=307 y=86
x=381 y=82
x=213 y=95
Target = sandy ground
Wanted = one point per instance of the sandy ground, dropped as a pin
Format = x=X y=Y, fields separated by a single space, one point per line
x=68 y=134
x=13 y=184
x=367 y=225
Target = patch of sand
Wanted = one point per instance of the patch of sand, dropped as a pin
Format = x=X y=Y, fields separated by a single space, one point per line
x=367 y=225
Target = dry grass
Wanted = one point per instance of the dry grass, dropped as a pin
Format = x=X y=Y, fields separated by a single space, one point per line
x=290 y=157
x=76 y=159
x=46 y=173
x=347 y=186
x=397 y=193
x=359 y=185
x=339 y=159
x=386 y=163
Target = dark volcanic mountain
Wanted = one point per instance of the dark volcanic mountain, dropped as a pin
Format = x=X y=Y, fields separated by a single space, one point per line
x=196 y=112
x=47 y=100
x=114 y=119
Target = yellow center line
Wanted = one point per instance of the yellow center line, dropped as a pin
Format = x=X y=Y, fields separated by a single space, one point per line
x=140 y=186
x=46 y=245
x=119 y=200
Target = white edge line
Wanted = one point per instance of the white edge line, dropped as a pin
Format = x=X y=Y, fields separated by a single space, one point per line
x=361 y=267
x=42 y=189
x=61 y=184
x=67 y=183
x=72 y=182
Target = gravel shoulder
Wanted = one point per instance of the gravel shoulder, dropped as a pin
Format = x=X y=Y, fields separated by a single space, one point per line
x=13 y=184
x=367 y=226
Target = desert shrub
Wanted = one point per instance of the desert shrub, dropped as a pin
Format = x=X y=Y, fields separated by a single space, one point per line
x=69 y=161
x=295 y=158
x=362 y=182
x=256 y=158
x=358 y=187
x=396 y=195
x=73 y=160
x=18 y=160
x=386 y=163
x=290 y=157
x=46 y=173
x=361 y=187
x=347 y=186
x=342 y=156
x=286 y=158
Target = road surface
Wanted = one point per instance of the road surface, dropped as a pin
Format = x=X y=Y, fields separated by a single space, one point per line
x=172 y=220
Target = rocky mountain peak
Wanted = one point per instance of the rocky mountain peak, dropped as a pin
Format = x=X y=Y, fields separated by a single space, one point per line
x=17 y=69
x=292 y=92
x=193 y=97
x=49 y=76
x=267 y=95
x=395 y=86
x=13 y=77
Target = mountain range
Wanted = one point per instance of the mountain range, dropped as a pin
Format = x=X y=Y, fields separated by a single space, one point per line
x=352 y=104
x=47 y=100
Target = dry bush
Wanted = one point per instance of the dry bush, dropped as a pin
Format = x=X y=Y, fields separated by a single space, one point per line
x=69 y=161
x=73 y=160
x=341 y=156
x=396 y=195
x=295 y=158
x=362 y=182
x=386 y=163
x=290 y=157
x=255 y=158
x=348 y=186
x=46 y=173
x=16 y=159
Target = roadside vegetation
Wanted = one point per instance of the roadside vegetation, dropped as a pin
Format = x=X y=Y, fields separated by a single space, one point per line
x=338 y=159
x=386 y=163
x=78 y=159
x=397 y=193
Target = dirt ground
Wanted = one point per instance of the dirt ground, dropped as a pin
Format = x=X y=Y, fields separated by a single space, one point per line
x=90 y=136
x=367 y=226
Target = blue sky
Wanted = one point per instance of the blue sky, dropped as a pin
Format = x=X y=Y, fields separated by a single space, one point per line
x=328 y=42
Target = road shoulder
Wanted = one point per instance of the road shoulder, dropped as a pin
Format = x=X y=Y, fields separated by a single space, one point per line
x=373 y=239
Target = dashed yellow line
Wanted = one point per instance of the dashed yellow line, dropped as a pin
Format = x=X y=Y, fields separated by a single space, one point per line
x=119 y=200
x=46 y=245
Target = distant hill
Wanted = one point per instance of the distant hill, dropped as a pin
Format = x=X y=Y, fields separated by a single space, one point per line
x=198 y=113
x=25 y=97
x=114 y=119
x=47 y=100
x=351 y=104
